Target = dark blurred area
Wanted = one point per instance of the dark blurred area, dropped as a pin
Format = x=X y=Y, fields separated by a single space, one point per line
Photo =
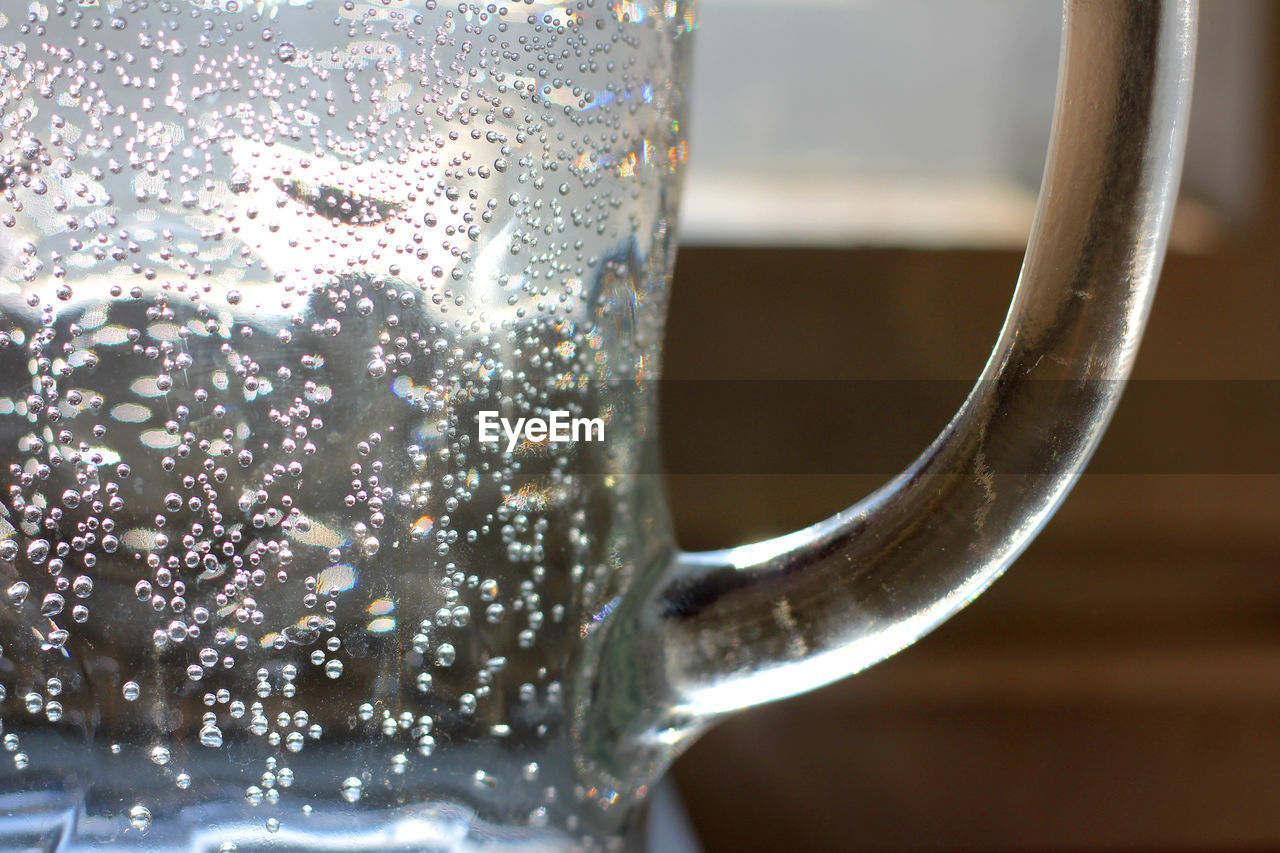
x=1119 y=689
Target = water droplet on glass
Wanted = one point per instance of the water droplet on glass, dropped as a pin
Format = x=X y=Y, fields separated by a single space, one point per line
x=211 y=736
x=17 y=592
x=38 y=551
x=140 y=818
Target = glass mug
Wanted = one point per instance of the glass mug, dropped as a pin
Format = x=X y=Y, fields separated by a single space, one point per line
x=276 y=575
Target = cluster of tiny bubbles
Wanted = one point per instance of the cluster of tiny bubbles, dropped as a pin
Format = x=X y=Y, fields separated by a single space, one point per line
x=261 y=267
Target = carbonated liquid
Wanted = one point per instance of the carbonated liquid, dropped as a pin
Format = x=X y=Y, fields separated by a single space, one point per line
x=261 y=266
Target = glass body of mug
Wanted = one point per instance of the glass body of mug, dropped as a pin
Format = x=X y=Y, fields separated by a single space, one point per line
x=286 y=560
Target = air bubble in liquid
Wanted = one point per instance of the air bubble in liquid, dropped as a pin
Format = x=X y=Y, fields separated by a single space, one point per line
x=140 y=818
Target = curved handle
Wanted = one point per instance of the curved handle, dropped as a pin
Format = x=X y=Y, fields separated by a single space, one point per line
x=718 y=631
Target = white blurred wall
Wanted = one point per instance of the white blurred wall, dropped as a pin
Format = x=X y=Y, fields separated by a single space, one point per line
x=923 y=122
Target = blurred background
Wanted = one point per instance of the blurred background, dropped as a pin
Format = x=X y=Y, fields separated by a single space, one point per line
x=863 y=179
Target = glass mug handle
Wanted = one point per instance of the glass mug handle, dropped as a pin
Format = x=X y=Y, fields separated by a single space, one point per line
x=714 y=632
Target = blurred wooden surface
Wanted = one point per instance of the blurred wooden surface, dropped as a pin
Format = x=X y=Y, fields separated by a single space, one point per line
x=1119 y=689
